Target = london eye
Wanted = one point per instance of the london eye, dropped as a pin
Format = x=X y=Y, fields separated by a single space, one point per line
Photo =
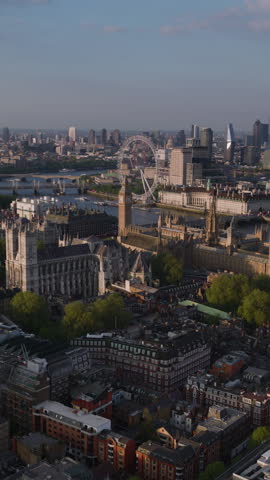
x=137 y=158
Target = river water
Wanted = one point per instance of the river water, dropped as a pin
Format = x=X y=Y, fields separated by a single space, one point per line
x=141 y=216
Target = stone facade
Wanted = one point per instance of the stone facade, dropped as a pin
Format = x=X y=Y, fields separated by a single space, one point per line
x=80 y=270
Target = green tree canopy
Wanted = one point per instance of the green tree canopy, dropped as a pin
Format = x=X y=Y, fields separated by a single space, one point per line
x=255 y=307
x=227 y=291
x=260 y=434
x=78 y=319
x=167 y=268
x=30 y=311
x=261 y=282
x=105 y=313
x=213 y=471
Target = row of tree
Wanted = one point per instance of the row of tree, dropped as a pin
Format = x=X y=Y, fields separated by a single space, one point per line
x=250 y=299
x=31 y=313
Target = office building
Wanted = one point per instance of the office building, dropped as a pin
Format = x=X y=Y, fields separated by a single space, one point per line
x=72 y=134
x=265 y=133
x=250 y=155
x=92 y=137
x=200 y=155
x=180 y=157
x=104 y=136
x=193 y=174
x=207 y=141
x=181 y=139
x=192 y=142
x=248 y=140
x=195 y=132
x=257 y=134
x=266 y=159
x=116 y=137
x=230 y=144
x=5 y=135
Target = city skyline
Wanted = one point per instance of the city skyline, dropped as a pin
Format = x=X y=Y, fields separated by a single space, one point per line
x=133 y=67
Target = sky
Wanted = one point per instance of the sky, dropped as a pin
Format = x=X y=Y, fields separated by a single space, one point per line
x=134 y=64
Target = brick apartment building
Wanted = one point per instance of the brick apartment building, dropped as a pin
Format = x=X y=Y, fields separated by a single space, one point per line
x=74 y=427
x=231 y=426
x=201 y=390
x=155 y=462
x=116 y=449
x=162 y=365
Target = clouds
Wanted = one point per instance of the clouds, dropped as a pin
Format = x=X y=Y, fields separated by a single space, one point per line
x=104 y=28
x=250 y=16
x=19 y=3
x=257 y=6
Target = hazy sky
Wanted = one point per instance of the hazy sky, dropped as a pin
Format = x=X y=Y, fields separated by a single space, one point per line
x=134 y=64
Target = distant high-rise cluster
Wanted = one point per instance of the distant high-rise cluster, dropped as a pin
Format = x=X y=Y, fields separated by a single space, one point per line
x=230 y=144
x=260 y=134
x=92 y=137
x=6 y=135
x=72 y=134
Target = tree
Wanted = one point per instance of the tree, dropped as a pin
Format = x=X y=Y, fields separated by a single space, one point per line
x=30 y=311
x=261 y=282
x=260 y=434
x=78 y=319
x=110 y=313
x=227 y=291
x=105 y=313
x=167 y=268
x=212 y=471
x=255 y=307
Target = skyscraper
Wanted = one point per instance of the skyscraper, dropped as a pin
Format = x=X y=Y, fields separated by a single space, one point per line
x=103 y=136
x=72 y=134
x=179 y=159
x=265 y=133
x=181 y=138
x=195 y=131
x=257 y=134
x=230 y=144
x=6 y=135
x=116 y=137
x=92 y=137
x=207 y=140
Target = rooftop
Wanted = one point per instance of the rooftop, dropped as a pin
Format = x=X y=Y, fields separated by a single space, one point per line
x=73 y=417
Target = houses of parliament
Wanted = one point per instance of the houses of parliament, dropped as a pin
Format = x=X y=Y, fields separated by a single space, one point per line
x=84 y=267
x=207 y=248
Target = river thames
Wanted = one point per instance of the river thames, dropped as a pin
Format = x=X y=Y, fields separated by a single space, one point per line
x=141 y=216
